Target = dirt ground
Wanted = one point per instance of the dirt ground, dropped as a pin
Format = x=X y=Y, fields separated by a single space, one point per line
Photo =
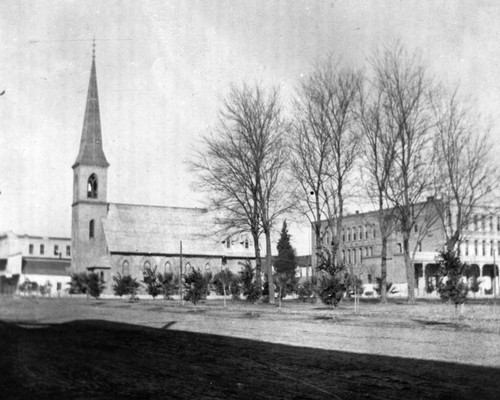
x=74 y=348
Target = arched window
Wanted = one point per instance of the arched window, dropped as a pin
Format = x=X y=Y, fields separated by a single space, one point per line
x=167 y=267
x=207 y=266
x=91 y=229
x=228 y=242
x=125 y=268
x=246 y=243
x=147 y=265
x=188 y=268
x=92 y=187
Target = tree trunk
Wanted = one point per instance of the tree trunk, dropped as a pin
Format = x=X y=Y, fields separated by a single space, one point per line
x=224 y=291
x=410 y=272
x=269 y=264
x=318 y=244
x=258 y=261
x=383 y=270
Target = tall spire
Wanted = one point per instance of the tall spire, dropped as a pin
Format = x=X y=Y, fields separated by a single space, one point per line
x=91 y=152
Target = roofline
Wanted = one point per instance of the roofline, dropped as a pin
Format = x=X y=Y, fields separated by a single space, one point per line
x=157 y=206
x=100 y=165
x=27 y=235
x=133 y=253
x=99 y=203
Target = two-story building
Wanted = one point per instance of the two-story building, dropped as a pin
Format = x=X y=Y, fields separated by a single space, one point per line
x=44 y=260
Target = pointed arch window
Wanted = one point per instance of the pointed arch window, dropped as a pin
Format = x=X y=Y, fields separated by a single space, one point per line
x=167 y=267
x=125 y=268
x=91 y=229
x=92 y=187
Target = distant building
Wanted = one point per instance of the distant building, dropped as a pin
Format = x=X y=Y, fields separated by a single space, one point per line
x=44 y=260
x=360 y=249
x=111 y=238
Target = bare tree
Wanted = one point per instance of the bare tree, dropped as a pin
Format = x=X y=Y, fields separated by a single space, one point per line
x=240 y=167
x=311 y=164
x=403 y=85
x=379 y=156
x=465 y=170
x=325 y=147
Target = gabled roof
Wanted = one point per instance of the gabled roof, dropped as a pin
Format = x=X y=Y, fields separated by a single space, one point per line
x=41 y=266
x=159 y=230
x=91 y=152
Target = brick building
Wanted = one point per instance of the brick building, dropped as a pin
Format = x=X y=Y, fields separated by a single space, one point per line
x=360 y=248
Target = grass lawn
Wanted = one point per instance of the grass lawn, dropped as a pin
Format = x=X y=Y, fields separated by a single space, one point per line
x=73 y=348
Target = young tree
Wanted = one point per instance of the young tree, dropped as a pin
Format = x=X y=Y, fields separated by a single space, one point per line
x=124 y=285
x=78 y=283
x=451 y=285
x=95 y=284
x=169 y=284
x=249 y=284
x=331 y=289
x=196 y=285
x=222 y=282
x=285 y=283
x=403 y=86
x=285 y=263
x=153 y=284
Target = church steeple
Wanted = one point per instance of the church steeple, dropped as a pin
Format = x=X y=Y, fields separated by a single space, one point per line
x=91 y=152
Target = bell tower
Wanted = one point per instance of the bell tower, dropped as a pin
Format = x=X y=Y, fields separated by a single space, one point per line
x=90 y=181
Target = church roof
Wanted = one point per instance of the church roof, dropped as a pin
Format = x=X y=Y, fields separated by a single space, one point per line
x=158 y=230
x=91 y=152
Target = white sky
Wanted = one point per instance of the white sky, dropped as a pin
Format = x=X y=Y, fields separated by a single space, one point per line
x=162 y=69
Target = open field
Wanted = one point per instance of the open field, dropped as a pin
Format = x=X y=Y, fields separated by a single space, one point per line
x=75 y=348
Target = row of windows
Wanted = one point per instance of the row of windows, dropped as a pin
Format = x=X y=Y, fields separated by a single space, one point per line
x=31 y=249
x=228 y=243
x=356 y=255
x=359 y=233
x=483 y=248
x=480 y=221
x=353 y=234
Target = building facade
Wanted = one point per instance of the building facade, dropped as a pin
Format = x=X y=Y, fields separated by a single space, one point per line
x=111 y=238
x=361 y=248
x=44 y=260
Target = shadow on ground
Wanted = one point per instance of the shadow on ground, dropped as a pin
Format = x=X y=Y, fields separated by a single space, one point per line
x=103 y=360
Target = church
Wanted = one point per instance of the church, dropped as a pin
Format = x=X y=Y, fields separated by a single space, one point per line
x=111 y=238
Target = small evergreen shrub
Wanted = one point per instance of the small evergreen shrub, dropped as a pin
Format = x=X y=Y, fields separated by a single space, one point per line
x=95 y=284
x=125 y=285
x=28 y=287
x=306 y=289
x=153 y=284
x=331 y=290
x=196 y=285
x=248 y=284
x=78 y=283
x=451 y=285
x=235 y=288
x=169 y=284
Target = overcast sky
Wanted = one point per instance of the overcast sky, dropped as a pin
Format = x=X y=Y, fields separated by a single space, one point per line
x=164 y=66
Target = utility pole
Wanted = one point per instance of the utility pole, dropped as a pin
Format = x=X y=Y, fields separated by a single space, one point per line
x=180 y=279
